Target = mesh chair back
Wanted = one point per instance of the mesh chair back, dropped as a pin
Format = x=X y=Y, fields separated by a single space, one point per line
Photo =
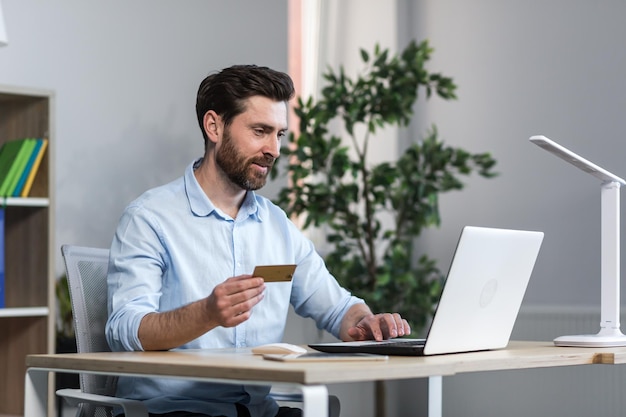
x=86 y=270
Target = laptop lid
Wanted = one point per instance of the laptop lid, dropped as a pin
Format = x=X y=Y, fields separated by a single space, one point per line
x=484 y=289
x=481 y=297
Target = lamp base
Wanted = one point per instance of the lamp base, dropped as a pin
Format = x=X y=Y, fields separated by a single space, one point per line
x=605 y=338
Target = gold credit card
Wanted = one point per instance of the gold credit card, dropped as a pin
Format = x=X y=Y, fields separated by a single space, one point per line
x=275 y=273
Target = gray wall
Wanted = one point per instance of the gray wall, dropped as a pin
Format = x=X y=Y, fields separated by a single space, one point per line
x=524 y=68
x=125 y=76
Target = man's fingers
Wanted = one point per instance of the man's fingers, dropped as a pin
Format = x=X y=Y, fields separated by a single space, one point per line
x=241 y=283
x=232 y=301
x=380 y=327
x=393 y=325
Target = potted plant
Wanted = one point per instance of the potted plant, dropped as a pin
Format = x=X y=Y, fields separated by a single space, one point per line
x=65 y=319
x=373 y=213
x=65 y=338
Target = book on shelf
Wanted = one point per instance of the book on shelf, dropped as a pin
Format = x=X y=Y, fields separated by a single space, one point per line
x=19 y=163
x=32 y=168
x=8 y=156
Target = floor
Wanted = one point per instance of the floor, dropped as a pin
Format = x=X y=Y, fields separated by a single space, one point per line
x=67 y=411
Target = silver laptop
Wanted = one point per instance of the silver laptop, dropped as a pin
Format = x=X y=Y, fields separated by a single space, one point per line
x=480 y=300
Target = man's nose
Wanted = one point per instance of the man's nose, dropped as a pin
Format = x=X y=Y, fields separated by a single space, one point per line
x=272 y=146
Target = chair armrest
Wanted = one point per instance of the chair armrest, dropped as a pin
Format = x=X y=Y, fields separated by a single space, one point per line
x=132 y=408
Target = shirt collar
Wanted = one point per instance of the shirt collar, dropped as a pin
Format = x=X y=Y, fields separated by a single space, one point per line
x=202 y=206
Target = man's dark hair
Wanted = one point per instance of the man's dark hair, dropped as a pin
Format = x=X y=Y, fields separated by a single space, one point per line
x=225 y=92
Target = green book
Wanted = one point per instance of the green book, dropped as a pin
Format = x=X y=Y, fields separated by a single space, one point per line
x=16 y=168
x=8 y=155
x=20 y=164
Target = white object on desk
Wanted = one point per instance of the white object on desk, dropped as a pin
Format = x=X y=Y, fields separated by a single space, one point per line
x=610 y=333
x=278 y=348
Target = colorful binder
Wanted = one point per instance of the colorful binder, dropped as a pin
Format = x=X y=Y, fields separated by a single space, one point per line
x=20 y=164
x=34 y=168
x=10 y=151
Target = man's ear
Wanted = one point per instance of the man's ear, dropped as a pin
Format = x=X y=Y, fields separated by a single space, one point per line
x=212 y=125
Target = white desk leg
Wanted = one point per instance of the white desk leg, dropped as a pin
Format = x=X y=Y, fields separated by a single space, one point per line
x=314 y=401
x=435 y=396
x=36 y=393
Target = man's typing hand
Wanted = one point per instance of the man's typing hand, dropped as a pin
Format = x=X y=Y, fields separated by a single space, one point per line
x=380 y=327
x=360 y=323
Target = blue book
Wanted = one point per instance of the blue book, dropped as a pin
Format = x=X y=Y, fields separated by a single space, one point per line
x=2 y=257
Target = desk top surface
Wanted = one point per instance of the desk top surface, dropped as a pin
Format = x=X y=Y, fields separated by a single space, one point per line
x=241 y=364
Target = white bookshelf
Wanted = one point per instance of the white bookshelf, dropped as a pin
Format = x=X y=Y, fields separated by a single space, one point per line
x=27 y=322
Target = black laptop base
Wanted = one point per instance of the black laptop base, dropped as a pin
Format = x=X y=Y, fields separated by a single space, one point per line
x=396 y=347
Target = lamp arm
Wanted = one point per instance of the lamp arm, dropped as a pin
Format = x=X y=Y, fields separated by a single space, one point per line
x=610 y=256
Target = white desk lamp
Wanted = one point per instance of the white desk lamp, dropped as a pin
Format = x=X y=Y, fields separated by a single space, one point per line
x=3 y=32
x=610 y=334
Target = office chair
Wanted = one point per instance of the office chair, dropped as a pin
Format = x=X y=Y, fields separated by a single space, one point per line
x=86 y=270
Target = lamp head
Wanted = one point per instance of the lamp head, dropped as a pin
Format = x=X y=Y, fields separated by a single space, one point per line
x=576 y=160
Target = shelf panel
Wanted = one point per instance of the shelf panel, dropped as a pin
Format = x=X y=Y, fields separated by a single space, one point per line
x=24 y=312
x=25 y=202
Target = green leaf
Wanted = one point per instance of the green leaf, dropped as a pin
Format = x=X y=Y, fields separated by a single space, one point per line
x=365 y=56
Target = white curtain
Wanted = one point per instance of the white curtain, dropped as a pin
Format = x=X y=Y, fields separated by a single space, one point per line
x=3 y=32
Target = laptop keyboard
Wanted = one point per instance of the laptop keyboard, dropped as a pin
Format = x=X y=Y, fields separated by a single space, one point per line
x=397 y=343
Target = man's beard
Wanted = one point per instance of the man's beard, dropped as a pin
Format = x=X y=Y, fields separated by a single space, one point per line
x=237 y=167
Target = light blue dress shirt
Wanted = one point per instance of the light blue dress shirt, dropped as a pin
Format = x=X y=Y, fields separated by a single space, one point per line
x=172 y=247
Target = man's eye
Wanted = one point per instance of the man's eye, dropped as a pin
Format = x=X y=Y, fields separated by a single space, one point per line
x=282 y=135
x=259 y=132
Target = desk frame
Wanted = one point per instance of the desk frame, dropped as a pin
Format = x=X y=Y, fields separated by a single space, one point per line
x=314 y=397
x=240 y=366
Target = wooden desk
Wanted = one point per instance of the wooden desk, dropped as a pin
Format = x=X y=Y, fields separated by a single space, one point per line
x=240 y=366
